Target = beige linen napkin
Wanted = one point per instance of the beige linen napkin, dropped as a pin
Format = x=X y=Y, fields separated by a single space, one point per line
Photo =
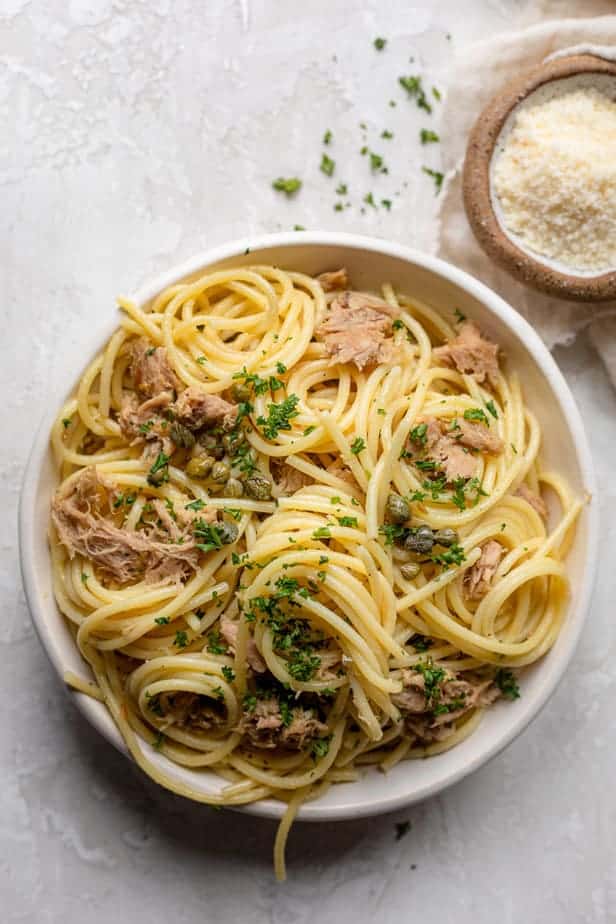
x=477 y=73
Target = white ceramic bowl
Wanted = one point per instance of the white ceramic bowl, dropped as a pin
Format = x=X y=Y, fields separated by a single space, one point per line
x=565 y=447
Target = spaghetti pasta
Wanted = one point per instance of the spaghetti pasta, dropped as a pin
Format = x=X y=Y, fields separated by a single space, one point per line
x=293 y=536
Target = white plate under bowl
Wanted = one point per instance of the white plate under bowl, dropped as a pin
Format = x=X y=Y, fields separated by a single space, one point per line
x=370 y=262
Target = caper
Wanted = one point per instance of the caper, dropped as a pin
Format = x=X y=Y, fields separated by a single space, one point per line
x=445 y=537
x=234 y=488
x=227 y=532
x=397 y=509
x=220 y=472
x=258 y=487
x=200 y=466
x=410 y=570
x=181 y=435
x=420 y=540
x=240 y=392
x=231 y=441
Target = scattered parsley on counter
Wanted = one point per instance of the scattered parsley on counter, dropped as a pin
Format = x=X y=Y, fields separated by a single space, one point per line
x=437 y=176
x=415 y=90
x=327 y=137
x=341 y=189
x=427 y=136
x=369 y=200
x=380 y=43
x=298 y=228
x=327 y=165
x=459 y=316
x=288 y=186
x=387 y=134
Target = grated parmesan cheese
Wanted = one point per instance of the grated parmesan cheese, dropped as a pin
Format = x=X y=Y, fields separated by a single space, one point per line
x=555 y=179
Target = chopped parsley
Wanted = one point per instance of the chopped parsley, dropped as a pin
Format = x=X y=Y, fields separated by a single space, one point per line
x=219 y=693
x=159 y=472
x=309 y=430
x=492 y=408
x=459 y=316
x=208 y=535
x=66 y=422
x=84 y=578
x=162 y=620
x=146 y=427
x=392 y=531
x=419 y=434
x=227 y=673
x=507 y=684
x=181 y=639
x=288 y=186
x=358 y=445
x=454 y=555
x=382 y=411
x=415 y=90
x=327 y=165
x=347 y=521
x=420 y=642
x=215 y=643
x=475 y=413
x=437 y=176
x=195 y=505
x=158 y=741
x=249 y=702
x=319 y=747
x=323 y=532
x=233 y=512
x=427 y=136
x=302 y=665
x=279 y=417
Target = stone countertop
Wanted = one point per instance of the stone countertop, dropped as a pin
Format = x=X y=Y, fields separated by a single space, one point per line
x=138 y=132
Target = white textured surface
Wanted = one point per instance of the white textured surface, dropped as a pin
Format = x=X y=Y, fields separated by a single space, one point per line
x=135 y=134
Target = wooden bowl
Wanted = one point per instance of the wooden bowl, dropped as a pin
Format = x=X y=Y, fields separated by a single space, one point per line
x=477 y=195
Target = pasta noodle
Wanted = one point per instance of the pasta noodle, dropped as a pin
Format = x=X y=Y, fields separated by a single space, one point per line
x=264 y=548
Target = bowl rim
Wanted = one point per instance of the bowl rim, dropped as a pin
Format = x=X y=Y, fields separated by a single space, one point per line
x=271 y=808
x=477 y=186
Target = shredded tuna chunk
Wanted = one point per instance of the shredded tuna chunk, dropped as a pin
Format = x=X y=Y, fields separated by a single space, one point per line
x=430 y=713
x=477 y=436
x=358 y=329
x=263 y=726
x=448 y=444
x=336 y=279
x=536 y=502
x=471 y=354
x=288 y=479
x=150 y=369
x=478 y=579
x=84 y=519
x=196 y=409
x=229 y=630
x=441 y=445
x=191 y=711
x=144 y=424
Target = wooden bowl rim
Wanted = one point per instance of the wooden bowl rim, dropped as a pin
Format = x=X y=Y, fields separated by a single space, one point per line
x=476 y=184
